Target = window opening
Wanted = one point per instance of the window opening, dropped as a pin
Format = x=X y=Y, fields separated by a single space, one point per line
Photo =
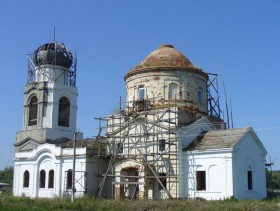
x=200 y=95
x=161 y=146
x=250 y=180
x=64 y=112
x=120 y=148
x=33 y=109
x=51 y=179
x=162 y=178
x=200 y=180
x=26 y=179
x=141 y=92
x=173 y=91
x=69 y=179
x=42 y=178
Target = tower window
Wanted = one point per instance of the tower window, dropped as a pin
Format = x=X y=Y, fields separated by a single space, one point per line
x=200 y=180
x=42 y=179
x=69 y=179
x=173 y=91
x=161 y=145
x=51 y=179
x=250 y=180
x=141 y=92
x=26 y=179
x=200 y=95
x=64 y=112
x=33 y=109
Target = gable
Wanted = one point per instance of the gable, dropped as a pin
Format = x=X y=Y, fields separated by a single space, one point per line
x=27 y=144
x=251 y=141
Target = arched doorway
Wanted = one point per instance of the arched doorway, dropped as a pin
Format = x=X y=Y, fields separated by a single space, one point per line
x=129 y=181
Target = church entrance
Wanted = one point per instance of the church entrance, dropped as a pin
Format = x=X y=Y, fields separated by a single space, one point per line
x=129 y=183
x=129 y=180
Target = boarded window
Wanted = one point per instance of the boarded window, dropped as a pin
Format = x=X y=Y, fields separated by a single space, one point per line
x=69 y=179
x=26 y=179
x=51 y=179
x=33 y=109
x=250 y=180
x=162 y=178
x=141 y=92
x=200 y=180
x=161 y=146
x=173 y=91
x=64 y=112
x=42 y=179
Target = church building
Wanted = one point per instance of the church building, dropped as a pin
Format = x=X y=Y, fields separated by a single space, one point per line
x=167 y=140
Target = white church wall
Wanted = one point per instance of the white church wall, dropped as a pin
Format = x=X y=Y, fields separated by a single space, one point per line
x=249 y=155
x=185 y=136
x=217 y=165
x=47 y=157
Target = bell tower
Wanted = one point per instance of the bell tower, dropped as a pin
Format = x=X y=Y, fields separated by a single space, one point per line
x=50 y=97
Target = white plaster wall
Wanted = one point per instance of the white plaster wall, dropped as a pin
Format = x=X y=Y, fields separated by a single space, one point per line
x=48 y=157
x=249 y=153
x=185 y=136
x=218 y=167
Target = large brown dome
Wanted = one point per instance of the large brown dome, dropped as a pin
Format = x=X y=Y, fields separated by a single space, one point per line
x=165 y=57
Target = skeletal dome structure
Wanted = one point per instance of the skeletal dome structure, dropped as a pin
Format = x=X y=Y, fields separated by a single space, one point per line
x=166 y=77
x=53 y=53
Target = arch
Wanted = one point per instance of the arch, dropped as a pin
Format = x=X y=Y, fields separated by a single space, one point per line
x=42 y=178
x=214 y=178
x=33 y=111
x=64 y=112
x=26 y=179
x=173 y=91
x=51 y=179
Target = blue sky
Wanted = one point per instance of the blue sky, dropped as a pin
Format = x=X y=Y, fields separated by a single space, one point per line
x=110 y=37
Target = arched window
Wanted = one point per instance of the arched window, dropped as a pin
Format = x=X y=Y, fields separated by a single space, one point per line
x=173 y=91
x=51 y=179
x=69 y=179
x=42 y=178
x=141 y=92
x=26 y=179
x=200 y=95
x=33 y=109
x=64 y=112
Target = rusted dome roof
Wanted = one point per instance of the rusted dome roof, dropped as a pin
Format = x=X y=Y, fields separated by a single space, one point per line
x=165 y=57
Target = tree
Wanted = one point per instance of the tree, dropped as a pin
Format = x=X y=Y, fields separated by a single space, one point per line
x=6 y=176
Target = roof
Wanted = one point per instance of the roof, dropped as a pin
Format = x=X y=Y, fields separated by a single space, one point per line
x=166 y=57
x=88 y=143
x=217 y=139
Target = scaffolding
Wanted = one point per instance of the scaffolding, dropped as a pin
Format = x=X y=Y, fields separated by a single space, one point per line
x=35 y=72
x=142 y=145
x=80 y=183
x=144 y=138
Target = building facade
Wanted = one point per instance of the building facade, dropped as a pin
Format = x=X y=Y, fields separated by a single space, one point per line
x=167 y=140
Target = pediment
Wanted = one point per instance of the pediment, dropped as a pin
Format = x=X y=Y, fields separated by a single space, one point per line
x=27 y=144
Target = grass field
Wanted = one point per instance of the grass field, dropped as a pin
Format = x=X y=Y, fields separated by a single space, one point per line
x=23 y=203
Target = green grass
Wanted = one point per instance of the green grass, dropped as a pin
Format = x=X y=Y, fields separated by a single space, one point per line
x=85 y=203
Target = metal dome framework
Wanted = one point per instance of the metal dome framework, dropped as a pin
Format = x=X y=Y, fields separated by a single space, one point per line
x=52 y=56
